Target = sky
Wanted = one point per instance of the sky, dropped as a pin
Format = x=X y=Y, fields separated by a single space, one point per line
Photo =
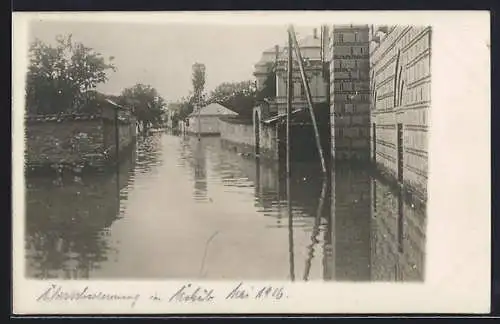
x=162 y=55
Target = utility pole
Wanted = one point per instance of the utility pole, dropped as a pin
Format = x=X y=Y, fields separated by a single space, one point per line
x=291 y=33
x=288 y=146
x=289 y=104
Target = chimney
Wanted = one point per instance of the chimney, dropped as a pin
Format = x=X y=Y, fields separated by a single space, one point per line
x=315 y=33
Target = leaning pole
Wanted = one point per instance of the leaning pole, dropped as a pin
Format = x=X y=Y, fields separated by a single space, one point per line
x=291 y=33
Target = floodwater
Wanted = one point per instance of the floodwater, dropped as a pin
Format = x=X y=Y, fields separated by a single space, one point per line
x=183 y=208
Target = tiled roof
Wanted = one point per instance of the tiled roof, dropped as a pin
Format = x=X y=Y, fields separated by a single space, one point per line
x=214 y=109
x=308 y=41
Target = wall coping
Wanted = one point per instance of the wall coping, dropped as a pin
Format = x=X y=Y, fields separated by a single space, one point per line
x=60 y=117
x=237 y=120
x=57 y=118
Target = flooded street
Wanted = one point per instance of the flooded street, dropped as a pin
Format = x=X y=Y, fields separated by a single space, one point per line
x=181 y=208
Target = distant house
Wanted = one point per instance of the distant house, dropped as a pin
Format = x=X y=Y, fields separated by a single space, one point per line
x=205 y=121
x=310 y=47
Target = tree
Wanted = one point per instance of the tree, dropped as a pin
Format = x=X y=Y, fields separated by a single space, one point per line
x=147 y=105
x=198 y=80
x=60 y=76
x=269 y=89
x=239 y=97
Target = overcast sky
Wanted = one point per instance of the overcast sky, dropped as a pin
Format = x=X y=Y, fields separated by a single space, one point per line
x=162 y=55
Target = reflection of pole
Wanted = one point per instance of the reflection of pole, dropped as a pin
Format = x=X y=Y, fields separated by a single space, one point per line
x=291 y=34
x=329 y=244
x=400 y=236
x=315 y=231
x=290 y=234
x=288 y=173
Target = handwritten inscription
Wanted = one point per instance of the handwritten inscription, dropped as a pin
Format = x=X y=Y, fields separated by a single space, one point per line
x=251 y=292
x=57 y=293
x=189 y=294
x=186 y=294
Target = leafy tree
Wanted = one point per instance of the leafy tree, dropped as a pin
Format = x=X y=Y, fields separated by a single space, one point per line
x=147 y=105
x=239 y=97
x=59 y=77
x=269 y=89
x=198 y=80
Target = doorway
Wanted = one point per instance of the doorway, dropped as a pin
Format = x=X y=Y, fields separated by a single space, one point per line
x=400 y=153
x=257 y=133
x=374 y=136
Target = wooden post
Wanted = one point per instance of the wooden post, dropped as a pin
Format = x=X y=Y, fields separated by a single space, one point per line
x=291 y=33
x=199 y=112
x=117 y=153
x=289 y=104
x=288 y=146
x=117 y=139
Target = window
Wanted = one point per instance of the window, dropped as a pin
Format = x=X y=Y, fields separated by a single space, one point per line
x=401 y=93
x=302 y=91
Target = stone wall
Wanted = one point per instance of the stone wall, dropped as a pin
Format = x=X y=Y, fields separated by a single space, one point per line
x=240 y=135
x=400 y=91
x=205 y=125
x=350 y=92
x=79 y=140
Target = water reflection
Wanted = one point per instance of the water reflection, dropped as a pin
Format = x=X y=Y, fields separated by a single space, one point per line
x=189 y=204
x=200 y=172
x=398 y=236
x=351 y=203
x=67 y=224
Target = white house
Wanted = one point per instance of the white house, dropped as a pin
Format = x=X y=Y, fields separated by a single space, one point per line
x=310 y=48
x=205 y=121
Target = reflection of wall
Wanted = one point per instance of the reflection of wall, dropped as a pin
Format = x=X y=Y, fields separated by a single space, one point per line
x=66 y=224
x=398 y=237
x=351 y=203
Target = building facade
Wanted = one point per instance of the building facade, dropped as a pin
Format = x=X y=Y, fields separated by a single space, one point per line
x=206 y=120
x=277 y=57
x=400 y=73
x=350 y=92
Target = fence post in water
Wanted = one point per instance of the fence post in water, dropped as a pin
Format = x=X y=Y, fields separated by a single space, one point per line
x=117 y=139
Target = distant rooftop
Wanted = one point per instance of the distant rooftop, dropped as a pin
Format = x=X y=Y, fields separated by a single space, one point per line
x=214 y=109
x=309 y=41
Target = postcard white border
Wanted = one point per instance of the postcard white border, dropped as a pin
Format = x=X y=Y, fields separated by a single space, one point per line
x=458 y=234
